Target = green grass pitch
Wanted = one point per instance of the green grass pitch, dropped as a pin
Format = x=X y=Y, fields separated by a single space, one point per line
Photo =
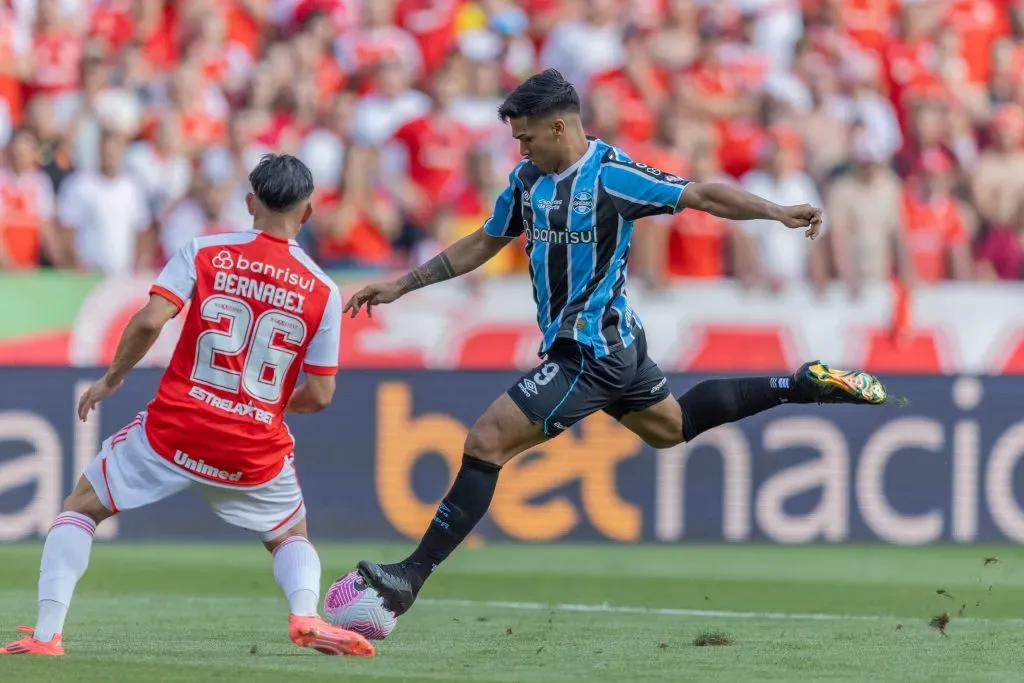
x=555 y=613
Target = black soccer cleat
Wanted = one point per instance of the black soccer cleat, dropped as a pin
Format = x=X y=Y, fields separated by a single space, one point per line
x=397 y=584
x=822 y=384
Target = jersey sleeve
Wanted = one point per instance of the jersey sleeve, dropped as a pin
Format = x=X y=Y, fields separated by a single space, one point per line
x=324 y=347
x=639 y=190
x=177 y=281
x=507 y=219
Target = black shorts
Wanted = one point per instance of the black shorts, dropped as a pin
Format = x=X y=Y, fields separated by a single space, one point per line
x=571 y=383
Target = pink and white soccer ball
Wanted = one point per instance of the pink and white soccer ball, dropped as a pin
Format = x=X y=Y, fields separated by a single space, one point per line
x=353 y=605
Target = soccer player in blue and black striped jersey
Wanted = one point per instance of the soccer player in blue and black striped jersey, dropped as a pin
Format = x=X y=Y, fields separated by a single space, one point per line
x=576 y=198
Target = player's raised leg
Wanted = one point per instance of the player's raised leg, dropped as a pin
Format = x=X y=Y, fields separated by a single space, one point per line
x=125 y=475
x=569 y=385
x=277 y=512
x=715 y=402
x=501 y=433
x=65 y=559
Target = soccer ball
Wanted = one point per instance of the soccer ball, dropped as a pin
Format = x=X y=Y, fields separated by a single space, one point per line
x=353 y=605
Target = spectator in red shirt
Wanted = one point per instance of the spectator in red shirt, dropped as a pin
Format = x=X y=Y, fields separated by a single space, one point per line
x=242 y=19
x=604 y=119
x=222 y=61
x=378 y=39
x=936 y=233
x=714 y=75
x=912 y=59
x=314 y=55
x=57 y=49
x=978 y=24
x=111 y=24
x=639 y=87
x=355 y=224
x=203 y=109
x=431 y=152
x=14 y=63
x=869 y=22
x=341 y=16
x=697 y=244
x=713 y=93
x=27 y=230
x=741 y=56
x=156 y=31
x=432 y=23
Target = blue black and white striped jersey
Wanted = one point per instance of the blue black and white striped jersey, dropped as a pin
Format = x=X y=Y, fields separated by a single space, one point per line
x=578 y=225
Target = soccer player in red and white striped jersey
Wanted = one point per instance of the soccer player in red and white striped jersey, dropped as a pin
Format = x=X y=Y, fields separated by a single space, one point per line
x=260 y=310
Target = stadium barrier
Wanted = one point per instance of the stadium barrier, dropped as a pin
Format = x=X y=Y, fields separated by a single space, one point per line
x=59 y=318
x=945 y=468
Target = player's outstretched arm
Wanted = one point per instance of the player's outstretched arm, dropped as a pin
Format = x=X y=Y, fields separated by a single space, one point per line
x=468 y=254
x=733 y=203
x=138 y=337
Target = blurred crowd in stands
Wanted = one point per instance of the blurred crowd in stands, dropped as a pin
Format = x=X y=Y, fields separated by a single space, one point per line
x=129 y=126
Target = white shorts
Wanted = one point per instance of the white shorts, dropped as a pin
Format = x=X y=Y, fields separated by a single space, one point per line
x=129 y=474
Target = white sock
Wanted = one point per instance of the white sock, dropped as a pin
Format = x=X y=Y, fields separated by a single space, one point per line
x=297 y=571
x=65 y=559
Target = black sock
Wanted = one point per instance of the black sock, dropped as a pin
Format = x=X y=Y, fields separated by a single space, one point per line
x=719 y=401
x=465 y=505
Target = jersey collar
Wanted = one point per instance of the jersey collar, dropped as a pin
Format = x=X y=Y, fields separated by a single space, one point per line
x=273 y=238
x=579 y=162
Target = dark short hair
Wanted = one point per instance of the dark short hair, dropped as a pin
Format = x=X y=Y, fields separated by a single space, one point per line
x=542 y=94
x=281 y=182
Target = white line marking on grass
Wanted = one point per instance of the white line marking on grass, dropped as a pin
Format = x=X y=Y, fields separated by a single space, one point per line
x=673 y=612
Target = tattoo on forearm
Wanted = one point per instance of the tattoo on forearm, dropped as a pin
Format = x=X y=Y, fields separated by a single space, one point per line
x=436 y=269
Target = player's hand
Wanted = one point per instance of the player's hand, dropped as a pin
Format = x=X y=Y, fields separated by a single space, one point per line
x=99 y=391
x=372 y=295
x=802 y=216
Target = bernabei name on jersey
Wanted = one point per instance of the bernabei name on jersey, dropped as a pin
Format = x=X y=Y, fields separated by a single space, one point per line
x=561 y=236
x=249 y=288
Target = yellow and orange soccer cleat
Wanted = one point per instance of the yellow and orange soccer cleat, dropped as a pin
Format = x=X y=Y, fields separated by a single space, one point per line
x=823 y=384
x=30 y=646
x=316 y=633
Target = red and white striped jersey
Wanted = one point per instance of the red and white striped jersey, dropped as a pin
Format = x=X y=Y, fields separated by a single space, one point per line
x=260 y=310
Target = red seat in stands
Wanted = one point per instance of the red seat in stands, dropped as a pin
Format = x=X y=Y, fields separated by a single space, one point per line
x=732 y=348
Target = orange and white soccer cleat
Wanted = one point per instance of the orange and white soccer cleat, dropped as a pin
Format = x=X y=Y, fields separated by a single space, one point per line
x=316 y=633
x=30 y=646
